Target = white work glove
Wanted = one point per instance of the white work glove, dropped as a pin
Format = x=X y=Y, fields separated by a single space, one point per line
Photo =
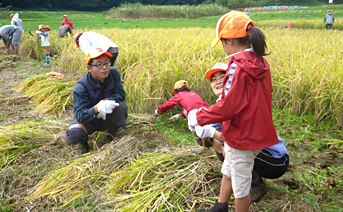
x=206 y=131
x=106 y=106
x=101 y=115
x=156 y=112
x=192 y=119
x=175 y=117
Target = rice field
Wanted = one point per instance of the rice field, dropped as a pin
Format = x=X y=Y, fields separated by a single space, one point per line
x=306 y=66
x=136 y=174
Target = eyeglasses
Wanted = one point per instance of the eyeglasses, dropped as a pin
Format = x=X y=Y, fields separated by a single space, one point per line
x=220 y=77
x=102 y=65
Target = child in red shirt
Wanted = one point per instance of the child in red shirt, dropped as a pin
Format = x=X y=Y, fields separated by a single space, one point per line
x=185 y=97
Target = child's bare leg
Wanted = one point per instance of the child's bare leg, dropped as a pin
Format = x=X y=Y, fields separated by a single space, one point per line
x=242 y=204
x=225 y=190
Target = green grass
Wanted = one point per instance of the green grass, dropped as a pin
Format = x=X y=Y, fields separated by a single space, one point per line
x=177 y=132
x=96 y=20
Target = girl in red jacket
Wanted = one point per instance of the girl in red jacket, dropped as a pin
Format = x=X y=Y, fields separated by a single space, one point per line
x=186 y=98
x=244 y=107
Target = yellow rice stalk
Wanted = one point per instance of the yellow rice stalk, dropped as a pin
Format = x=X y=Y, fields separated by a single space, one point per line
x=83 y=175
x=19 y=139
x=51 y=95
x=163 y=182
x=299 y=60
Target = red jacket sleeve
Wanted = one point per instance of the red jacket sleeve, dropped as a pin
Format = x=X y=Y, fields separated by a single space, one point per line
x=230 y=105
x=169 y=104
x=71 y=24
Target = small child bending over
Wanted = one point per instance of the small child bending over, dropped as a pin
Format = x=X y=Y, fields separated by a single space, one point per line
x=185 y=97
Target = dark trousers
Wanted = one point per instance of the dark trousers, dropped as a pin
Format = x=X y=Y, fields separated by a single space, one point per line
x=270 y=167
x=113 y=122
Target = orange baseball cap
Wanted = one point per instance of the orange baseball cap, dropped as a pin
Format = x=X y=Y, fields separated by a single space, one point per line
x=94 y=53
x=179 y=84
x=232 y=25
x=217 y=67
x=76 y=40
x=41 y=27
x=329 y=11
x=11 y=15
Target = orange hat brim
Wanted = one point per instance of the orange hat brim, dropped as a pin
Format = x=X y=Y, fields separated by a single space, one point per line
x=209 y=73
x=88 y=57
x=215 y=42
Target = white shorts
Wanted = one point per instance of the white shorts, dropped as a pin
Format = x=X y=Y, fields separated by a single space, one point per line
x=238 y=166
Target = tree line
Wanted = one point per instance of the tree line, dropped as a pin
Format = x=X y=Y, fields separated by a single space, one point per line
x=104 y=5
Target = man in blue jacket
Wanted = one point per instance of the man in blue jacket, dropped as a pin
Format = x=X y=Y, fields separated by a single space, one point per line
x=98 y=100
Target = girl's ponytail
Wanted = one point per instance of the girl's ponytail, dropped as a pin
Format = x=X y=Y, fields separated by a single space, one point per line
x=257 y=40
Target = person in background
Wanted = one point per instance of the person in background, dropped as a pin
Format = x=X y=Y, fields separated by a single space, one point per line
x=246 y=12
x=66 y=21
x=64 y=30
x=86 y=40
x=16 y=21
x=288 y=26
x=43 y=34
x=244 y=108
x=272 y=162
x=11 y=35
x=98 y=100
x=329 y=19
x=184 y=97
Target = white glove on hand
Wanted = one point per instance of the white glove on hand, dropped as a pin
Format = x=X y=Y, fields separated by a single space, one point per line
x=205 y=131
x=156 y=112
x=192 y=119
x=101 y=115
x=175 y=117
x=106 y=106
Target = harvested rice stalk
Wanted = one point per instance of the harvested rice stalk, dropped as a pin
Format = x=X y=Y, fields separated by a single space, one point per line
x=85 y=174
x=51 y=95
x=162 y=182
x=18 y=139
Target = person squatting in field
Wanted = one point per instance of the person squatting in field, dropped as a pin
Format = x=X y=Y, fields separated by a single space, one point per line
x=244 y=108
x=98 y=100
x=43 y=34
x=272 y=162
x=11 y=35
x=184 y=97
x=86 y=40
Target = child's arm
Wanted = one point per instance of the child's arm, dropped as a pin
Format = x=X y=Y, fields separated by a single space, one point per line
x=45 y=34
x=169 y=104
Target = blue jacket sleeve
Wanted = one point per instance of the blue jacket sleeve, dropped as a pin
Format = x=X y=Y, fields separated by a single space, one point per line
x=83 y=113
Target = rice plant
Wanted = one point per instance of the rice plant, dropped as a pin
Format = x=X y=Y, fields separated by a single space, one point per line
x=306 y=66
x=84 y=175
x=163 y=182
x=19 y=139
x=51 y=95
x=138 y=10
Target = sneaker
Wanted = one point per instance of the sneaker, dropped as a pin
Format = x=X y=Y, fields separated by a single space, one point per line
x=46 y=64
x=82 y=147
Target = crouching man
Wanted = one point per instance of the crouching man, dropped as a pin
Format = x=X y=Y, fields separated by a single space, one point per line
x=98 y=100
